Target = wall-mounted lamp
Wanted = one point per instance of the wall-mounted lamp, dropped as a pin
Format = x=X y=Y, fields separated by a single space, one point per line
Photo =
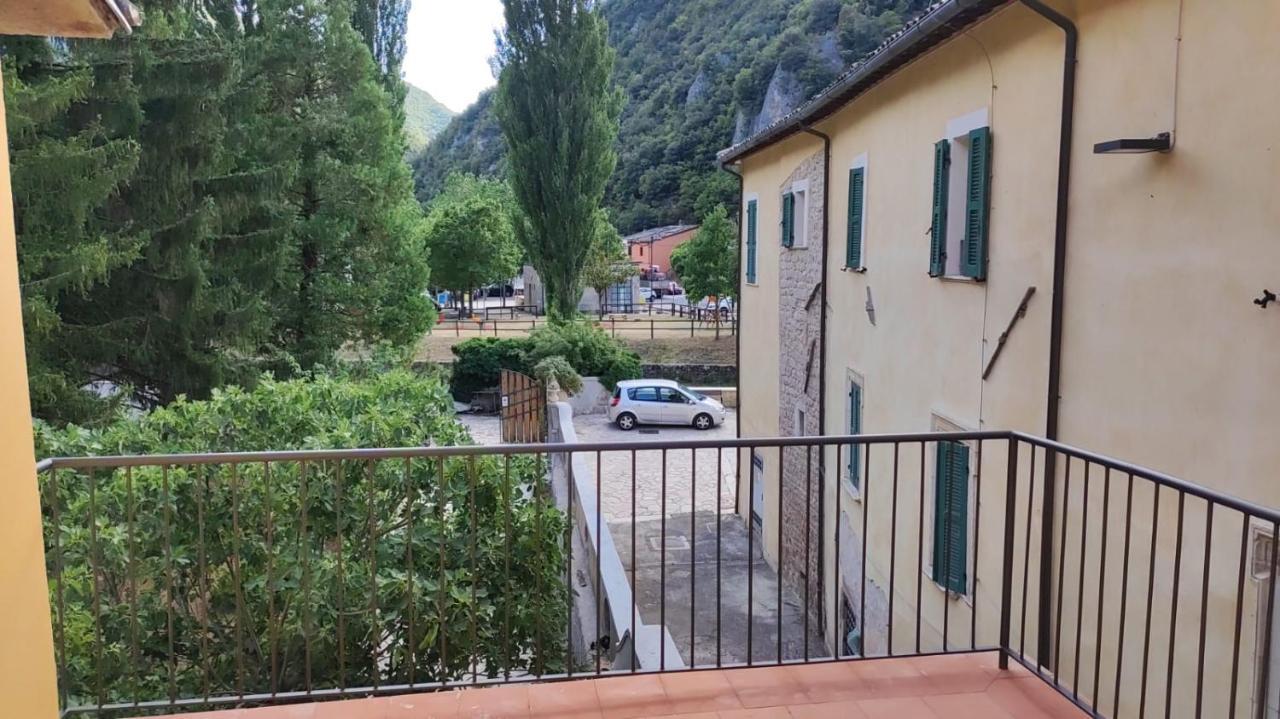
x=1135 y=146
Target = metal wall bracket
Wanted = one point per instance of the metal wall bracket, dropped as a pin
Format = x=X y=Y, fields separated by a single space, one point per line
x=1004 y=337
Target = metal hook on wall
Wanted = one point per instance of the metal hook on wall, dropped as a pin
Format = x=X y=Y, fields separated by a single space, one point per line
x=1267 y=298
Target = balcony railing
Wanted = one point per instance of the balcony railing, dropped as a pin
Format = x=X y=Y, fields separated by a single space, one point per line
x=189 y=581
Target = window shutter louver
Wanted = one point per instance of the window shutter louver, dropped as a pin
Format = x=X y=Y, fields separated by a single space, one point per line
x=788 y=219
x=855 y=427
x=977 y=204
x=938 y=230
x=752 y=211
x=857 y=191
x=951 y=517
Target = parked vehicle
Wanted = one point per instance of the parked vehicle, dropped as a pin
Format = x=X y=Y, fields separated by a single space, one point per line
x=662 y=401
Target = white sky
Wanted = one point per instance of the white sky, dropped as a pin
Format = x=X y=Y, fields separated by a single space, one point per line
x=448 y=46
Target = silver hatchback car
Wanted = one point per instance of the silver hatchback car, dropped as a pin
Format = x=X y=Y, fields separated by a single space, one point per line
x=662 y=401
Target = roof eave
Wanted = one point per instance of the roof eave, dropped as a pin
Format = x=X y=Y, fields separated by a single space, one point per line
x=936 y=25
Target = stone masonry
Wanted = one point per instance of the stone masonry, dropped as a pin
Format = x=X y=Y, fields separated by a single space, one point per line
x=800 y=309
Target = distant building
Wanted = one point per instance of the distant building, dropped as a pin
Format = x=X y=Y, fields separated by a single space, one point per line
x=652 y=248
x=622 y=297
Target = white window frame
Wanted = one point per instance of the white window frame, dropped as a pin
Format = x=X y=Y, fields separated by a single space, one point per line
x=957 y=134
x=860 y=162
x=746 y=202
x=943 y=424
x=797 y=426
x=800 y=189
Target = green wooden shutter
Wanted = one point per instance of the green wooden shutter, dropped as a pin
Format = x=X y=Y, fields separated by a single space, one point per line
x=857 y=191
x=951 y=517
x=938 y=230
x=788 y=219
x=855 y=427
x=752 y=210
x=973 y=261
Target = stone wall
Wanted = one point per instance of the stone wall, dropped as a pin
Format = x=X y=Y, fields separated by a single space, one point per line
x=707 y=375
x=799 y=365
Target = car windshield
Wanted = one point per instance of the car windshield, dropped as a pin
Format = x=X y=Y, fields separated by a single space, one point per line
x=696 y=395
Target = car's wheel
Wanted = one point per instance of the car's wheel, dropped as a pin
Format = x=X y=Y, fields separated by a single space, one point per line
x=703 y=421
x=626 y=421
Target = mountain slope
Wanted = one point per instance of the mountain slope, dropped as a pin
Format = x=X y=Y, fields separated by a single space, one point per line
x=698 y=75
x=424 y=117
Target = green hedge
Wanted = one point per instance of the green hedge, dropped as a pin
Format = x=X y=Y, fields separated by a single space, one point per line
x=589 y=350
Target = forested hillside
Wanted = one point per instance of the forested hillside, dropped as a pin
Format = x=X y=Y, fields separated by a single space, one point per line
x=697 y=75
x=424 y=117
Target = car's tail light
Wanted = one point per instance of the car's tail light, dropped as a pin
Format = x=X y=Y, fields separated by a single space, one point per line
x=613 y=402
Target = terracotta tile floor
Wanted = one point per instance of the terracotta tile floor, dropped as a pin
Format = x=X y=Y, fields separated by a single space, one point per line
x=952 y=687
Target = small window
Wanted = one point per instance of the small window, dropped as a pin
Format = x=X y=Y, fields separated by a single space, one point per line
x=671 y=395
x=799 y=428
x=951 y=517
x=852 y=628
x=961 y=199
x=757 y=491
x=854 y=413
x=795 y=225
x=752 y=212
x=643 y=394
x=856 y=227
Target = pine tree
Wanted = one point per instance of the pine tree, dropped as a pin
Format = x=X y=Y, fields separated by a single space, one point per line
x=559 y=115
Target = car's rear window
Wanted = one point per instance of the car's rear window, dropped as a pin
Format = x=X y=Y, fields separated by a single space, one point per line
x=643 y=394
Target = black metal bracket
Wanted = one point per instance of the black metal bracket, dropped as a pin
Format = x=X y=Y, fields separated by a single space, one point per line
x=1267 y=298
x=1004 y=337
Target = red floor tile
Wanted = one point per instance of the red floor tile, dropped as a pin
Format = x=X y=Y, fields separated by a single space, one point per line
x=691 y=692
x=829 y=710
x=636 y=696
x=570 y=700
x=494 y=703
x=767 y=687
x=897 y=708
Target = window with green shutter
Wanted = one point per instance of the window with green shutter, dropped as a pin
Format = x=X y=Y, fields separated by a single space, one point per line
x=857 y=195
x=788 y=219
x=752 y=211
x=938 y=229
x=951 y=517
x=855 y=427
x=973 y=251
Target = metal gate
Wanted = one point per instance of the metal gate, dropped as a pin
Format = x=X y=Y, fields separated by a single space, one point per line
x=524 y=408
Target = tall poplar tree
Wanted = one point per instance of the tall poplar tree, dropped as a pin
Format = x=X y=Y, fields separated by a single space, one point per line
x=559 y=114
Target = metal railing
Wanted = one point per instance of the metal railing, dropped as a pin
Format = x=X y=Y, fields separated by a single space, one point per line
x=699 y=323
x=213 y=580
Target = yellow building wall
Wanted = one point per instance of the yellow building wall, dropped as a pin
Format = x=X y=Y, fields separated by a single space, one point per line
x=1166 y=361
x=28 y=681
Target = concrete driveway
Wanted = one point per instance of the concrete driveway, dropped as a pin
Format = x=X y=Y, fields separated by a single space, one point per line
x=712 y=488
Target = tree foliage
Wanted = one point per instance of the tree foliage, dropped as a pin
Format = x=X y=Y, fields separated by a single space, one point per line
x=221 y=192
x=559 y=115
x=584 y=347
x=697 y=76
x=707 y=265
x=607 y=262
x=470 y=234
x=286 y=576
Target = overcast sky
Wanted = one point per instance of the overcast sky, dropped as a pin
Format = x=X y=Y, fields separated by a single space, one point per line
x=448 y=46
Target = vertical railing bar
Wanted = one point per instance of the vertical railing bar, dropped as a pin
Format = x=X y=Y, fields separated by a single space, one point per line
x=1010 y=529
x=599 y=600
x=1062 y=562
x=944 y=499
x=375 y=632
x=97 y=599
x=751 y=569
x=662 y=566
x=719 y=503
x=1026 y=559
x=201 y=489
x=837 y=601
x=634 y=587
x=339 y=520
x=132 y=571
x=693 y=556
x=471 y=499
x=59 y=627
x=568 y=569
x=1204 y=608
x=808 y=522
x=1102 y=583
x=782 y=475
x=236 y=576
x=442 y=498
x=506 y=568
x=1151 y=583
x=1084 y=537
x=893 y=552
x=306 y=574
x=1173 y=607
x=537 y=521
x=1235 y=650
x=273 y=629
x=977 y=552
x=1271 y=613
x=920 y=545
x=411 y=602
x=866 y=511
x=170 y=582
x=1124 y=594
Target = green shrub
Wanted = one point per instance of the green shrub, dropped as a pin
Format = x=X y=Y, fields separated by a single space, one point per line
x=480 y=361
x=591 y=351
x=559 y=368
x=246 y=560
